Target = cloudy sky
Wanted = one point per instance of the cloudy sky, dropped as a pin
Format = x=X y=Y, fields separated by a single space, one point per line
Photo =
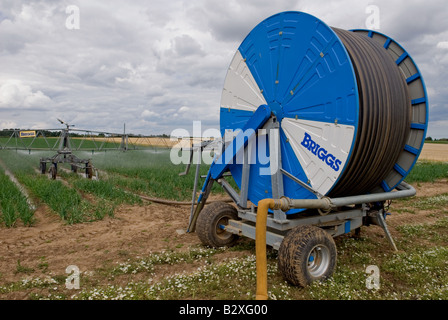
x=160 y=65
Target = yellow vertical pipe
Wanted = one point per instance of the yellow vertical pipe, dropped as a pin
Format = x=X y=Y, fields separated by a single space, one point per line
x=260 y=247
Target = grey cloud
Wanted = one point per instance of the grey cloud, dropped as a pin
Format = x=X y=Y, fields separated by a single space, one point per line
x=160 y=56
x=412 y=20
x=231 y=21
x=185 y=45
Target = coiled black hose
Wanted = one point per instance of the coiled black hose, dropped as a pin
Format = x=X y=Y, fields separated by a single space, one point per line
x=384 y=115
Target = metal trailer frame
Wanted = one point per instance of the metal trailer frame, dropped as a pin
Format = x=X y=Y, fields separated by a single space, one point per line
x=346 y=213
x=351 y=214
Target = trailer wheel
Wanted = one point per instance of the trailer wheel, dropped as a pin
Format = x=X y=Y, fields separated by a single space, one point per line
x=306 y=254
x=210 y=222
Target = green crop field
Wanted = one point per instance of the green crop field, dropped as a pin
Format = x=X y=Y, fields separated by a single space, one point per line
x=147 y=172
x=53 y=143
x=122 y=176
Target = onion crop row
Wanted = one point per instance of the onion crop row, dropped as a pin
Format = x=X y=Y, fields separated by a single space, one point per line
x=13 y=204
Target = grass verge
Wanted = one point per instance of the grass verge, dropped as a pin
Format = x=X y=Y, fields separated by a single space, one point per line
x=428 y=171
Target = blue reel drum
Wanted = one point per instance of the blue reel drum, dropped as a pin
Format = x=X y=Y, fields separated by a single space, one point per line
x=299 y=68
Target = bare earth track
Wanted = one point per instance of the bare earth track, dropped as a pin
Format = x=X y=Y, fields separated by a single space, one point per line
x=133 y=231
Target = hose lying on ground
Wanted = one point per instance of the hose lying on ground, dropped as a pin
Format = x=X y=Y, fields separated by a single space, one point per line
x=179 y=203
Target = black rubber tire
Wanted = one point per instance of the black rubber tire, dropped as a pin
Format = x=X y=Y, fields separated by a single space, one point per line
x=307 y=254
x=209 y=220
x=43 y=167
x=53 y=171
x=89 y=170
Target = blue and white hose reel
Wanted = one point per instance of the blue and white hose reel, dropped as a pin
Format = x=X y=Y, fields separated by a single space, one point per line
x=341 y=117
x=308 y=75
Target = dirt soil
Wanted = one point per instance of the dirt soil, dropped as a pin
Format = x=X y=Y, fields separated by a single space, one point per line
x=134 y=231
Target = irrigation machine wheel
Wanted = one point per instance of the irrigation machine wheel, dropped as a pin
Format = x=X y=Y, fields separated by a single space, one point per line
x=53 y=171
x=210 y=220
x=89 y=170
x=43 y=167
x=306 y=254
